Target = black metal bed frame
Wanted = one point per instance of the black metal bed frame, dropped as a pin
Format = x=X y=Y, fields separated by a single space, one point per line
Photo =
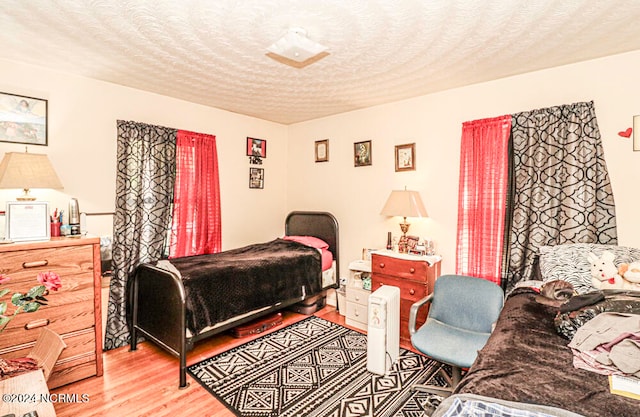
x=158 y=296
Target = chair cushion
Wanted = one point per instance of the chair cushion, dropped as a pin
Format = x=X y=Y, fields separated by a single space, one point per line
x=448 y=344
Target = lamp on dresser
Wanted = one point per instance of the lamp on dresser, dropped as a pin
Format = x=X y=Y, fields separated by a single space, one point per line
x=24 y=170
x=405 y=203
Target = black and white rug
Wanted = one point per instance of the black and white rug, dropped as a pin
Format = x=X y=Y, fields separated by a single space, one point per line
x=315 y=368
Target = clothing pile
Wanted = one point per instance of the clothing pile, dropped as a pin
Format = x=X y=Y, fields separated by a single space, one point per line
x=608 y=344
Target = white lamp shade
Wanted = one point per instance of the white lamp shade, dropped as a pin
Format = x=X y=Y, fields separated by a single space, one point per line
x=404 y=203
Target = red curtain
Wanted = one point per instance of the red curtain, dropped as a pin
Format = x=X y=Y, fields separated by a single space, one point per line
x=484 y=165
x=196 y=224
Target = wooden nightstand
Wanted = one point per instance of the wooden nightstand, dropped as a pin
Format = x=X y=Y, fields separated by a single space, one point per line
x=414 y=275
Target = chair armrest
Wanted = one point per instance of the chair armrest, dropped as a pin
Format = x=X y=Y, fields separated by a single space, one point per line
x=413 y=314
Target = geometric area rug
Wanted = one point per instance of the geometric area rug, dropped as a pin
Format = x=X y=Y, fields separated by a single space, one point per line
x=315 y=368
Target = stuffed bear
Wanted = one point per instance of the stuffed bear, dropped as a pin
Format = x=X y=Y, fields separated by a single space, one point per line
x=631 y=274
x=604 y=274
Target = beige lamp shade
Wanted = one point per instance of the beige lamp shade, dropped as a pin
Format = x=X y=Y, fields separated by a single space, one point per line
x=404 y=203
x=26 y=171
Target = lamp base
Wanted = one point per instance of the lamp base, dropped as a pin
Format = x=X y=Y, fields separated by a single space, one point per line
x=402 y=246
x=26 y=196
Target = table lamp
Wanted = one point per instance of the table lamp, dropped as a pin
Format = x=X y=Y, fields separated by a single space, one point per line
x=27 y=170
x=404 y=203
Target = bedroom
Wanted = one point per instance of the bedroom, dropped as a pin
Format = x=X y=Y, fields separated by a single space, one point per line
x=81 y=147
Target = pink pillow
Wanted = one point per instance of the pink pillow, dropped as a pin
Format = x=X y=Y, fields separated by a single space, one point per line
x=312 y=241
x=327 y=259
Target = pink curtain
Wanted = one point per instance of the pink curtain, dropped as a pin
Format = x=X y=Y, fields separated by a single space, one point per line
x=196 y=225
x=484 y=165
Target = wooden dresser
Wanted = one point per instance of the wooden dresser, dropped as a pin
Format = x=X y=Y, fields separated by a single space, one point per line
x=412 y=274
x=73 y=311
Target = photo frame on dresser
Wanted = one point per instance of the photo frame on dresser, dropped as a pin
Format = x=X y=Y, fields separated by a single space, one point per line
x=23 y=119
x=27 y=221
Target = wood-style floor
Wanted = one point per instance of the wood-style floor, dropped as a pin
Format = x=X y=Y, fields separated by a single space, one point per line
x=145 y=382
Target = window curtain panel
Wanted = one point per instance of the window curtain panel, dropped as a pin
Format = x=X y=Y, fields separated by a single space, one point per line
x=196 y=227
x=561 y=188
x=482 y=192
x=144 y=188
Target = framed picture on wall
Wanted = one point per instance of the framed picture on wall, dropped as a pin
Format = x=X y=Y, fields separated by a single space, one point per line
x=322 y=150
x=256 y=177
x=362 y=153
x=256 y=147
x=406 y=157
x=23 y=119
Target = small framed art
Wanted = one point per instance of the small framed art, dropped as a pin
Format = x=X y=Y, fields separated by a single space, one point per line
x=322 y=150
x=362 y=153
x=256 y=177
x=256 y=147
x=27 y=221
x=406 y=157
x=636 y=133
x=23 y=119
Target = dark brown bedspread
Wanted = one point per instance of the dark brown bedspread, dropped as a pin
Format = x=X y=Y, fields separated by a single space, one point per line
x=226 y=284
x=525 y=360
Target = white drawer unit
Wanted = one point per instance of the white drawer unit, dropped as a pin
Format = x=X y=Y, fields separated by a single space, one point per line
x=357 y=297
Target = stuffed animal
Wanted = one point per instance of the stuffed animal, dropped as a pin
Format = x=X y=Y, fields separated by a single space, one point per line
x=631 y=274
x=604 y=273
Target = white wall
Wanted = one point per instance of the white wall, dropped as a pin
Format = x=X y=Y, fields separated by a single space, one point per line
x=434 y=123
x=82 y=148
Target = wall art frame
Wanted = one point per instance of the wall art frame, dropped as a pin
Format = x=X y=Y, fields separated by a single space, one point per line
x=256 y=147
x=362 y=153
x=256 y=178
x=322 y=150
x=28 y=220
x=636 y=133
x=23 y=119
x=405 y=157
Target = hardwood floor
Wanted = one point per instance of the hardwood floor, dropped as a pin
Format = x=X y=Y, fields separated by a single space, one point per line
x=145 y=382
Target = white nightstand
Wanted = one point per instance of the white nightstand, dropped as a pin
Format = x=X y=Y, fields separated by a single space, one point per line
x=357 y=296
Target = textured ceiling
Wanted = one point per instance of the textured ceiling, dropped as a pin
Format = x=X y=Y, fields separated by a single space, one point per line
x=213 y=51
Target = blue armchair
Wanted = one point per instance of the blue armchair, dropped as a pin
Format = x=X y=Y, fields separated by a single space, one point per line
x=461 y=316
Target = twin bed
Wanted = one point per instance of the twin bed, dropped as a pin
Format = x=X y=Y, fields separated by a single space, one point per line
x=178 y=302
x=526 y=364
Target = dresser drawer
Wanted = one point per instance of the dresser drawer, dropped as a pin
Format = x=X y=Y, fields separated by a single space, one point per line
x=25 y=327
x=409 y=290
x=357 y=312
x=402 y=268
x=358 y=295
x=22 y=266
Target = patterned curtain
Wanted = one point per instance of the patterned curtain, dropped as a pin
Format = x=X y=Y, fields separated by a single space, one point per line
x=144 y=188
x=484 y=164
x=561 y=188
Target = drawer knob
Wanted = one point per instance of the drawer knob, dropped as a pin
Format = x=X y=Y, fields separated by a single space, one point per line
x=381 y=264
x=357 y=298
x=35 y=264
x=412 y=270
x=412 y=291
x=36 y=324
x=357 y=313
